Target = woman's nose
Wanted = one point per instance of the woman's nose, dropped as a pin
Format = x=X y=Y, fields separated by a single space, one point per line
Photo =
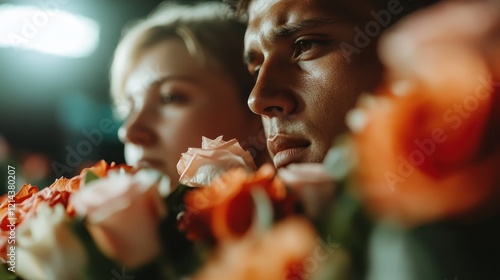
x=137 y=129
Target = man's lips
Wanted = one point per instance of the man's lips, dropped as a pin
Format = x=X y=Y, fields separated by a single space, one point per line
x=286 y=149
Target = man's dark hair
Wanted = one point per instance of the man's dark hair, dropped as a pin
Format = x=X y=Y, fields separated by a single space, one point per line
x=241 y=6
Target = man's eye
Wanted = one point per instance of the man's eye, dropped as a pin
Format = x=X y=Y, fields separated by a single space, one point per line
x=303 y=46
x=169 y=98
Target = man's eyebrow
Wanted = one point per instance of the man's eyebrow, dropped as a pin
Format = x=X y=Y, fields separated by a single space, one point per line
x=289 y=30
x=292 y=28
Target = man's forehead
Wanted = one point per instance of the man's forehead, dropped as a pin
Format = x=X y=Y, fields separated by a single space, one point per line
x=282 y=11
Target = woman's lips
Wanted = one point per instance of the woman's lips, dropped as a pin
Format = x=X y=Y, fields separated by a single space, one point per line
x=287 y=150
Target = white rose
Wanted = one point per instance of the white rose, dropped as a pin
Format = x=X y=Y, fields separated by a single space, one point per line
x=47 y=248
x=198 y=167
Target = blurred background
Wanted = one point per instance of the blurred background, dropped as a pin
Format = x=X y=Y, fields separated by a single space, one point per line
x=55 y=112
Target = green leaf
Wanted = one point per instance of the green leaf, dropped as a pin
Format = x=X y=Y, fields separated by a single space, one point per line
x=264 y=214
x=89 y=177
x=5 y=274
x=340 y=159
x=175 y=200
x=98 y=266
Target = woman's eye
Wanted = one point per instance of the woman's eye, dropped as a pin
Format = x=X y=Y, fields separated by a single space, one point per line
x=123 y=108
x=254 y=71
x=173 y=98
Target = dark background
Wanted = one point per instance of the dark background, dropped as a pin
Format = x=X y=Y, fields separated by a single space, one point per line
x=47 y=102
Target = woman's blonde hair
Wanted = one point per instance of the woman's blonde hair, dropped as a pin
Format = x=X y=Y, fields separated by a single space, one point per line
x=212 y=35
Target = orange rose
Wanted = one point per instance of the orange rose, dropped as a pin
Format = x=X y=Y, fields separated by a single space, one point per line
x=432 y=152
x=428 y=147
x=198 y=167
x=102 y=168
x=271 y=255
x=225 y=209
x=27 y=201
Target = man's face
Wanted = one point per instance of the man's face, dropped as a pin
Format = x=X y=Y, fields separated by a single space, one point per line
x=305 y=80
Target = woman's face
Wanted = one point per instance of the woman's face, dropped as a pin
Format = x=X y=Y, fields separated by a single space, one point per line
x=174 y=101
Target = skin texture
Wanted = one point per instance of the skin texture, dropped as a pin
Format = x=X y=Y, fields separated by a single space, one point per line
x=174 y=102
x=304 y=82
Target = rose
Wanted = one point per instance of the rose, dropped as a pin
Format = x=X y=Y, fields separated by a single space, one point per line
x=29 y=197
x=427 y=145
x=226 y=208
x=477 y=29
x=47 y=248
x=273 y=254
x=416 y=169
x=27 y=201
x=123 y=213
x=198 y=167
x=312 y=184
x=437 y=72
x=102 y=168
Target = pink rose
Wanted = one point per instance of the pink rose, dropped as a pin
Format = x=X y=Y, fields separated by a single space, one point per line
x=123 y=213
x=198 y=167
x=311 y=183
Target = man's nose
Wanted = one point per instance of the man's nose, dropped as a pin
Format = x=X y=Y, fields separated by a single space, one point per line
x=272 y=94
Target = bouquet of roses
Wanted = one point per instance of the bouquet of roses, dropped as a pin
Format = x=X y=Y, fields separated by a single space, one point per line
x=112 y=220
x=45 y=244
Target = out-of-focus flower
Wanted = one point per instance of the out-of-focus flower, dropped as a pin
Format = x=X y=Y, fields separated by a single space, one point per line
x=198 y=167
x=123 y=213
x=226 y=208
x=449 y=24
x=276 y=254
x=47 y=248
x=27 y=201
x=29 y=198
x=102 y=168
x=428 y=146
x=312 y=184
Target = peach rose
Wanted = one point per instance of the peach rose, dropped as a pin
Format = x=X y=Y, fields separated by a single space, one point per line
x=270 y=255
x=314 y=187
x=428 y=144
x=123 y=213
x=30 y=197
x=226 y=208
x=198 y=167
x=47 y=248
